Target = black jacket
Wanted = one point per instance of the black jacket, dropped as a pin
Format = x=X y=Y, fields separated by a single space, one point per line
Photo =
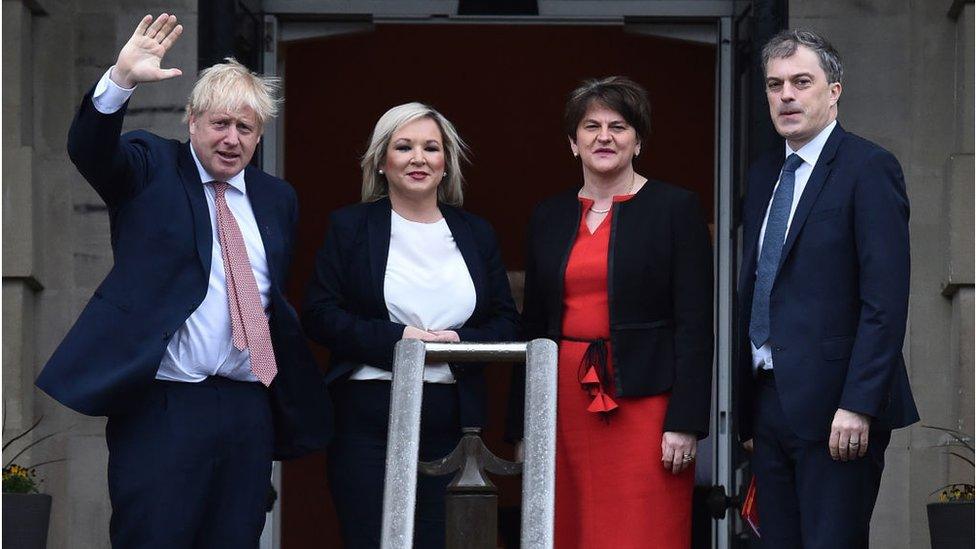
x=660 y=286
x=345 y=308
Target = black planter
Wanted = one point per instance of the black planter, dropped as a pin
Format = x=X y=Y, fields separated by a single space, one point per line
x=25 y=520
x=951 y=525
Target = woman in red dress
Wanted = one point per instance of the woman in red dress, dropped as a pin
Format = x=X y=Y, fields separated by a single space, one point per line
x=619 y=272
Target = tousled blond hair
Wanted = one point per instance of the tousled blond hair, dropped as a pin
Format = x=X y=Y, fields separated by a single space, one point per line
x=228 y=86
x=451 y=189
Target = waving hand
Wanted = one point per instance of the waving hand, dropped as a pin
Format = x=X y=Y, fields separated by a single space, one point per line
x=139 y=59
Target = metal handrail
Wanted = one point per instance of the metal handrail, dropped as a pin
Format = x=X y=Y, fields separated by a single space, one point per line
x=403 y=440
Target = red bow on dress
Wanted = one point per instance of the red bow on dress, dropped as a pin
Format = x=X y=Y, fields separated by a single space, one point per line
x=601 y=403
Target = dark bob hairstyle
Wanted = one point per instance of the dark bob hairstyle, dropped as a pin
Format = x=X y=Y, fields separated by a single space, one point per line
x=617 y=93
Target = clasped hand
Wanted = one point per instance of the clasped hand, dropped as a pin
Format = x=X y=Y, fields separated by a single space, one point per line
x=433 y=336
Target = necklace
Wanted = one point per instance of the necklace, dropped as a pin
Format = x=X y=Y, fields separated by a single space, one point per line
x=630 y=190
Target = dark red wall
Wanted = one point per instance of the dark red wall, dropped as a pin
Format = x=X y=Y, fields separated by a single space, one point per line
x=504 y=88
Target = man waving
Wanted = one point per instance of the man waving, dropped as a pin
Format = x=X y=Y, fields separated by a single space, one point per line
x=188 y=345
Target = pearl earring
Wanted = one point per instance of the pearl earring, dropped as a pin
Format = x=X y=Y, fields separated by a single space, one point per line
x=381 y=171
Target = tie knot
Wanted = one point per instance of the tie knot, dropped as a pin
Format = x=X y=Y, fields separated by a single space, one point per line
x=793 y=162
x=220 y=187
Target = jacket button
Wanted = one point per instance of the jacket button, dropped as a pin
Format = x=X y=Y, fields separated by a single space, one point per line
x=165 y=335
x=778 y=348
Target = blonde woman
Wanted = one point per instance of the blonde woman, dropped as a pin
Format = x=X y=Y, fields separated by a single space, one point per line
x=407 y=262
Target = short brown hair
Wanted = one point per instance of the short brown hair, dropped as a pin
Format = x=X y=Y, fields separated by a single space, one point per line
x=617 y=93
x=787 y=41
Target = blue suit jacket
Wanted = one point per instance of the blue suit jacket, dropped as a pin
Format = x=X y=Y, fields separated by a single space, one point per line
x=345 y=308
x=161 y=242
x=839 y=303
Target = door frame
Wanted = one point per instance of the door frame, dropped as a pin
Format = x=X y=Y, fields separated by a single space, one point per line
x=712 y=21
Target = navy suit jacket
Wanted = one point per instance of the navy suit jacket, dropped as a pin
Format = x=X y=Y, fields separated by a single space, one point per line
x=161 y=242
x=345 y=308
x=839 y=302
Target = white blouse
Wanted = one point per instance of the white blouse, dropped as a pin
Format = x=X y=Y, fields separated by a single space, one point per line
x=427 y=285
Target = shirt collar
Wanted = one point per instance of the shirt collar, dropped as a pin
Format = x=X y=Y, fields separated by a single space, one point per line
x=810 y=152
x=237 y=181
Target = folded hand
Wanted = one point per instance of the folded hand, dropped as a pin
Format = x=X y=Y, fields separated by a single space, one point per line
x=438 y=336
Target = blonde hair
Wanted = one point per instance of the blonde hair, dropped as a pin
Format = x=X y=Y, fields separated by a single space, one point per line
x=229 y=86
x=375 y=186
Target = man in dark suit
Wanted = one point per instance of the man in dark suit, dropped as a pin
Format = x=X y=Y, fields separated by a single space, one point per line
x=189 y=346
x=824 y=300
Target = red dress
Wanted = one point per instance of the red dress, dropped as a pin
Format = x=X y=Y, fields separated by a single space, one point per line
x=611 y=490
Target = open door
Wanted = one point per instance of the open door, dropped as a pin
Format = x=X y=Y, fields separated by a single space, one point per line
x=503 y=82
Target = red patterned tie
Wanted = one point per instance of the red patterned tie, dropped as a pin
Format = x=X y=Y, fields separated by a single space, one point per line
x=249 y=325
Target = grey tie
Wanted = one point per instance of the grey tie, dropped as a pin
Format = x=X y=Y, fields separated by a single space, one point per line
x=772 y=250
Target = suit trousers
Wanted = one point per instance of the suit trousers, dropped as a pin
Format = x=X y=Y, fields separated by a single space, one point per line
x=357 y=460
x=805 y=498
x=190 y=466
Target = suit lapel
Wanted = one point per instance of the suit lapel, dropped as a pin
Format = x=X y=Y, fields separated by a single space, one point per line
x=263 y=206
x=378 y=231
x=203 y=231
x=464 y=239
x=815 y=184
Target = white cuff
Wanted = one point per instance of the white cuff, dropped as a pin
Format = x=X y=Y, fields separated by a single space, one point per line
x=109 y=96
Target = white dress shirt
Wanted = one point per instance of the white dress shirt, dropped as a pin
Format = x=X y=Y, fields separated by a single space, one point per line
x=762 y=358
x=427 y=285
x=203 y=346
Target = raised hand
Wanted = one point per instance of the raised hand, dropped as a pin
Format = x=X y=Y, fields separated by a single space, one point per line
x=139 y=59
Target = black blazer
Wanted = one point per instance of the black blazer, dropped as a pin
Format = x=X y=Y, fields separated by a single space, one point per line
x=345 y=308
x=839 y=303
x=161 y=241
x=660 y=286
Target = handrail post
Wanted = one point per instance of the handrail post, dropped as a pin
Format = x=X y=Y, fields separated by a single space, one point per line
x=403 y=445
x=539 y=470
x=403 y=439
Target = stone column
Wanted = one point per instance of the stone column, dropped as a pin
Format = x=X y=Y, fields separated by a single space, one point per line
x=959 y=231
x=21 y=276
